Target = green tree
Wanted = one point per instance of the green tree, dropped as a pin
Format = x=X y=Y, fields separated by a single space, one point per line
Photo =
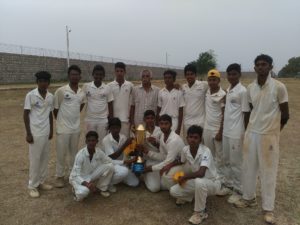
x=291 y=69
x=205 y=62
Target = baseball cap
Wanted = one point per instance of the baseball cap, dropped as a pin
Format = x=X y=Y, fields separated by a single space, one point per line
x=214 y=73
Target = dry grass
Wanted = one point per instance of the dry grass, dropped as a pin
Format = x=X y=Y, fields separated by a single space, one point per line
x=130 y=205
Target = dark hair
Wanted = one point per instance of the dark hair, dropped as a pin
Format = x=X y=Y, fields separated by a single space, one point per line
x=74 y=67
x=115 y=121
x=194 y=129
x=190 y=67
x=165 y=117
x=91 y=134
x=43 y=75
x=120 y=65
x=234 y=66
x=172 y=72
x=99 y=67
x=149 y=113
x=265 y=58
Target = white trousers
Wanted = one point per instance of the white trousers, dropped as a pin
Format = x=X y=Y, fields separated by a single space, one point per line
x=100 y=128
x=261 y=155
x=38 y=160
x=123 y=174
x=199 y=189
x=125 y=129
x=174 y=123
x=152 y=179
x=216 y=150
x=233 y=158
x=102 y=174
x=66 y=144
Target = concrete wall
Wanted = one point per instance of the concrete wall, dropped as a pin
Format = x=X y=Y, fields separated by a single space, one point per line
x=16 y=68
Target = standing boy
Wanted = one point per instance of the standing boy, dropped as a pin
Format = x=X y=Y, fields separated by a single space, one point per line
x=268 y=100
x=39 y=130
x=194 y=97
x=234 y=129
x=92 y=170
x=122 y=91
x=170 y=101
x=99 y=103
x=68 y=103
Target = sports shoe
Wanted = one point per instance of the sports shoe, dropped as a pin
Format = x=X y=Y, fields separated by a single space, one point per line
x=45 y=187
x=234 y=198
x=112 y=189
x=269 y=217
x=180 y=202
x=59 y=182
x=105 y=194
x=243 y=203
x=34 y=193
x=223 y=191
x=198 y=217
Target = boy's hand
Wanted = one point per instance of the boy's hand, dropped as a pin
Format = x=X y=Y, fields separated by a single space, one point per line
x=147 y=169
x=182 y=180
x=130 y=161
x=29 y=138
x=177 y=131
x=50 y=136
x=165 y=169
x=218 y=137
x=128 y=141
x=152 y=140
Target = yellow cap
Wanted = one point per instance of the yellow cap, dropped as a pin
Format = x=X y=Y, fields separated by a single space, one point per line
x=214 y=73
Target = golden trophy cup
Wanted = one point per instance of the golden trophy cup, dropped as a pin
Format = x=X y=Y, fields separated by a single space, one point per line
x=140 y=135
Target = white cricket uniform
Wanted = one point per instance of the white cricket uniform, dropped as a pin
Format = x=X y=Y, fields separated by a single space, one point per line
x=194 y=110
x=97 y=108
x=198 y=188
x=40 y=109
x=261 y=144
x=122 y=173
x=213 y=117
x=143 y=100
x=169 y=150
x=122 y=102
x=170 y=102
x=233 y=135
x=99 y=169
x=152 y=179
x=67 y=125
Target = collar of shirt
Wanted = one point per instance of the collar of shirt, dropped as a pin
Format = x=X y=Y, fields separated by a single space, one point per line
x=92 y=84
x=171 y=136
x=217 y=94
x=189 y=155
x=112 y=140
x=165 y=89
x=37 y=93
x=269 y=78
x=235 y=88
x=141 y=86
x=124 y=84
x=70 y=89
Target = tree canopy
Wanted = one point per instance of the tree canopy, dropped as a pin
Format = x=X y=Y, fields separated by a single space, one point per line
x=291 y=69
x=205 y=62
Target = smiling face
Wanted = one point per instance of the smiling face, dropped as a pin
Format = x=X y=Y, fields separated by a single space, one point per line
x=233 y=77
x=190 y=77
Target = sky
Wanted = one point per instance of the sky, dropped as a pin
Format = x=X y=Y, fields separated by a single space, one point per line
x=147 y=30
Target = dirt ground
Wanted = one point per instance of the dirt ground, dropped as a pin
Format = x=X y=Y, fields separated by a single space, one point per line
x=135 y=206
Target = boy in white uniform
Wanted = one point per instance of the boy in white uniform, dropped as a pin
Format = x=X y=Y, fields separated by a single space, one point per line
x=68 y=103
x=38 y=122
x=170 y=101
x=194 y=92
x=114 y=143
x=200 y=178
x=92 y=170
x=170 y=146
x=122 y=94
x=99 y=103
x=233 y=131
x=214 y=111
x=268 y=100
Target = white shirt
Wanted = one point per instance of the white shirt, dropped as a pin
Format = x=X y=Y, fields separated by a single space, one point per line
x=266 y=115
x=110 y=145
x=236 y=104
x=40 y=109
x=170 y=102
x=155 y=134
x=194 y=98
x=83 y=167
x=68 y=102
x=97 y=101
x=143 y=100
x=202 y=158
x=213 y=109
x=122 y=99
x=168 y=151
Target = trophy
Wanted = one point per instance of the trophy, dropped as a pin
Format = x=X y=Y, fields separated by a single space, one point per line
x=138 y=166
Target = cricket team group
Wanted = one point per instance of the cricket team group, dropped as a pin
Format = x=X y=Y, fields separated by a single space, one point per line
x=229 y=137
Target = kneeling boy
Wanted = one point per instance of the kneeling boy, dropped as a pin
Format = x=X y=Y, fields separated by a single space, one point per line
x=200 y=177
x=92 y=169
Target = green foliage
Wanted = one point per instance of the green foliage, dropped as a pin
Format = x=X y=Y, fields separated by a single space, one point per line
x=205 y=62
x=291 y=69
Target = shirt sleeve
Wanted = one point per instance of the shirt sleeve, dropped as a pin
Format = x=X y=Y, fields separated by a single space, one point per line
x=181 y=99
x=245 y=102
x=248 y=95
x=27 y=103
x=104 y=158
x=58 y=98
x=107 y=147
x=159 y=100
x=110 y=96
x=282 y=94
x=182 y=157
x=206 y=159
x=133 y=99
x=76 y=171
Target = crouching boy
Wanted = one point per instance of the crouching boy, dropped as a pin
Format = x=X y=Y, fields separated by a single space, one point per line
x=199 y=178
x=92 y=170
